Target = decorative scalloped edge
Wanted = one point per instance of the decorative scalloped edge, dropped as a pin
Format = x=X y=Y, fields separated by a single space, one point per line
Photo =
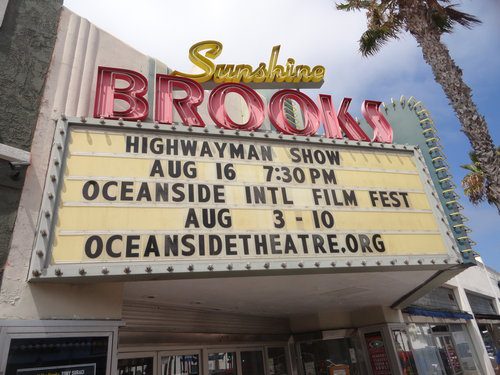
x=440 y=167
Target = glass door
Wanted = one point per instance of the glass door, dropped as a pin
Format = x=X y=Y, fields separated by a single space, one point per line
x=325 y=357
x=252 y=362
x=249 y=360
x=448 y=355
x=404 y=352
x=277 y=361
x=222 y=362
x=179 y=363
x=136 y=364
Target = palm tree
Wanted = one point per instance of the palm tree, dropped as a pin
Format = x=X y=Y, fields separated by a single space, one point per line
x=426 y=21
x=473 y=182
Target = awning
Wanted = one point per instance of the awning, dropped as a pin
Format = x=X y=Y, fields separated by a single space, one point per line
x=487 y=317
x=421 y=311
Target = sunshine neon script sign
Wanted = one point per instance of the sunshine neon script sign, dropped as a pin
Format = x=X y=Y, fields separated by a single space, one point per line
x=223 y=73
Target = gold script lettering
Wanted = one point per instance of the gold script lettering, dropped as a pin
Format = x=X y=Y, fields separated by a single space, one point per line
x=221 y=73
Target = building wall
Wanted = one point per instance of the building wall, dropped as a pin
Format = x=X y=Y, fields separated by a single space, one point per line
x=79 y=49
x=476 y=280
x=69 y=85
x=27 y=37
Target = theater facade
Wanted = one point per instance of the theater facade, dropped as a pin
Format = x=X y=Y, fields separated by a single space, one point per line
x=224 y=222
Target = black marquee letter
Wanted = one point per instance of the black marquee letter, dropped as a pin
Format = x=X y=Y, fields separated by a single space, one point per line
x=98 y=247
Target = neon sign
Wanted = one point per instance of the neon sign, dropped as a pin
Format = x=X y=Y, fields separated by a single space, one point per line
x=225 y=73
x=335 y=124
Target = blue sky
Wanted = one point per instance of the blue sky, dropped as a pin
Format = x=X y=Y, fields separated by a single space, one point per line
x=314 y=32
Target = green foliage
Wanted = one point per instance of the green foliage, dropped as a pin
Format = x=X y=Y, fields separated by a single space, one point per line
x=445 y=17
x=374 y=38
x=353 y=5
x=385 y=20
x=474 y=166
x=474 y=182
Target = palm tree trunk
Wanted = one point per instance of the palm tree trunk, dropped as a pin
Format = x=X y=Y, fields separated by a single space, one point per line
x=449 y=76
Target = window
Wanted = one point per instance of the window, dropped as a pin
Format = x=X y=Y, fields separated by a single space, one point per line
x=180 y=364
x=481 y=305
x=222 y=363
x=425 y=351
x=30 y=356
x=136 y=366
x=439 y=298
x=442 y=349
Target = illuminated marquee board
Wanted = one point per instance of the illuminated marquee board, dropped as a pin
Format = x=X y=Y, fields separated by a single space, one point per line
x=166 y=198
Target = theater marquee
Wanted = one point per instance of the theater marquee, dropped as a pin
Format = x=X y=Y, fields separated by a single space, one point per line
x=139 y=201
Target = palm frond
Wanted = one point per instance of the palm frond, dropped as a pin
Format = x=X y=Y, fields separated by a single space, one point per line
x=441 y=21
x=465 y=19
x=375 y=17
x=471 y=167
x=474 y=183
x=474 y=188
x=351 y=5
x=445 y=17
x=375 y=37
x=473 y=157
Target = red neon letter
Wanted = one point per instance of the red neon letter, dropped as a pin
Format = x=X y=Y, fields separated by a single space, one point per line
x=218 y=112
x=186 y=107
x=349 y=124
x=382 y=130
x=309 y=109
x=330 y=121
x=133 y=94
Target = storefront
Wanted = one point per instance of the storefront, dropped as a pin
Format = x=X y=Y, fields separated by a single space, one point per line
x=216 y=359
x=488 y=322
x=452 y=351
x=440 y=334
x=188 y=229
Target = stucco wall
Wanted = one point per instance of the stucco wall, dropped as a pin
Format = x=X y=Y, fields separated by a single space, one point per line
x=27 y=38
x=69 y=89
x=479 y=280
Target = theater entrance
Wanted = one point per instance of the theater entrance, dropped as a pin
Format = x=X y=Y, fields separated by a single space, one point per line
x=212 y=360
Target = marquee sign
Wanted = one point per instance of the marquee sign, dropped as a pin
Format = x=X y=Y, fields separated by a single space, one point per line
x=126 y=197
x=151 y=201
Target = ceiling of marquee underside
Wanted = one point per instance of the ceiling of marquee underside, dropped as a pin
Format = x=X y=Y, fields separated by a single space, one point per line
x=281 y=295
